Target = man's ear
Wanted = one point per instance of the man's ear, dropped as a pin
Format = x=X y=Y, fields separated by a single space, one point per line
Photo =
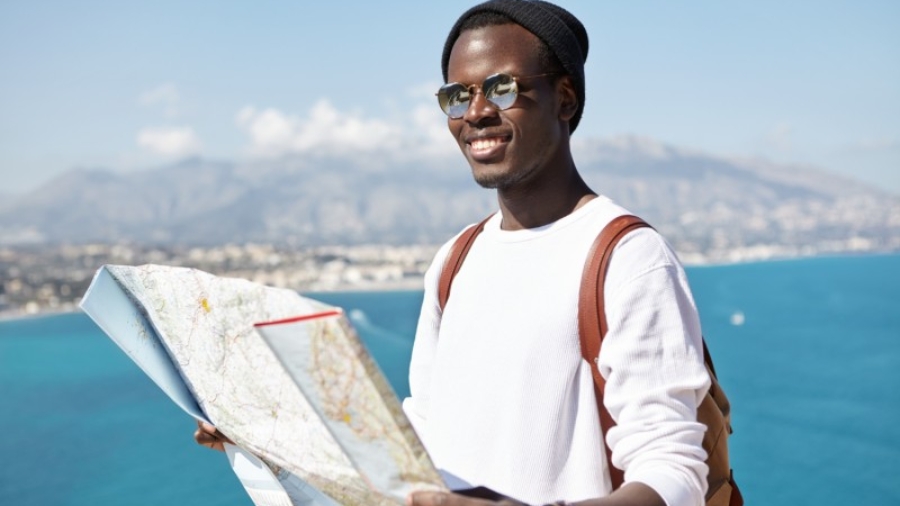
x=568 y=99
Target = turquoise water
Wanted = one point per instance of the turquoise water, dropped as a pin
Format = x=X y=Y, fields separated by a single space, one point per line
x=812 y=374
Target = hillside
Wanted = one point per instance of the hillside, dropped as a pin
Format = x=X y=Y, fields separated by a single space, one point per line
x=711 y=208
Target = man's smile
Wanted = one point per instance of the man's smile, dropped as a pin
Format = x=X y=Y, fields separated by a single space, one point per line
x=484 y=147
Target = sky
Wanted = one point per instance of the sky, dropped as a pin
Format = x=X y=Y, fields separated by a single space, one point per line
x=135 y=85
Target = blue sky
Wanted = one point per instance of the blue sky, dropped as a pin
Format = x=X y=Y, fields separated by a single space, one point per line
x=133 y=85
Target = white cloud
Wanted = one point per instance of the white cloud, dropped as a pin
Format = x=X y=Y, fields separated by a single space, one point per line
x=324 y=130
x=164 y=96
x=169 y=141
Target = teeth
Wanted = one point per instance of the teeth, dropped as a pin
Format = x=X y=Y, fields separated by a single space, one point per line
x=481 y=144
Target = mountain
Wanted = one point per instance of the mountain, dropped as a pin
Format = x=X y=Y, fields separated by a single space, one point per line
x=709 y=207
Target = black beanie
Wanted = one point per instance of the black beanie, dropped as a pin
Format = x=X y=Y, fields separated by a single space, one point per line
x=557 y=27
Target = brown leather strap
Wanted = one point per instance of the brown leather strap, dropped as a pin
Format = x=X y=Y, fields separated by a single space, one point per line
x=737 y=499
x=592 y=324
x=455 y=258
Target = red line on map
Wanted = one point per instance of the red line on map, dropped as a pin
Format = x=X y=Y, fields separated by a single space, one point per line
x=313 y=316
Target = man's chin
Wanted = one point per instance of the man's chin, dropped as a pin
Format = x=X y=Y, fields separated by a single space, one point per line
x=493 y=180
x=490 y=182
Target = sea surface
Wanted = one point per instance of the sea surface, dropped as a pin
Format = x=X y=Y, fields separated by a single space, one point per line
x=808 y=351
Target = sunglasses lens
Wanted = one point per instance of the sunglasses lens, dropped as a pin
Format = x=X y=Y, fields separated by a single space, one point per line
x=501 y=90
x=453 y=99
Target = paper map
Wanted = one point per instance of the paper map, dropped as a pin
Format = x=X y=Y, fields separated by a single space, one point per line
x=306 y=406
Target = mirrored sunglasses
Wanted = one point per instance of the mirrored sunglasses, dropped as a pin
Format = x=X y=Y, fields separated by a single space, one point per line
x=499 y=89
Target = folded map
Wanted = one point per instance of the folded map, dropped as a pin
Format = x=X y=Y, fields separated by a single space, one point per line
x=283 y=376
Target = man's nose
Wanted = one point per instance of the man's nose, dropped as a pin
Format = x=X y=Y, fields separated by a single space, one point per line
x=479 y=108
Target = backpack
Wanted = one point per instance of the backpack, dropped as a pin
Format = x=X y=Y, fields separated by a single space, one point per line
x=714 y=411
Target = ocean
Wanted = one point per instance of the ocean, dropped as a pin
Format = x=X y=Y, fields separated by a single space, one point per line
x=808 y=351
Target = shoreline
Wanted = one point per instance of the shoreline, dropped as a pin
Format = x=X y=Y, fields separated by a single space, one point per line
x=409 y=285
x=791 y=258
x=14 y=316
x=20 y=313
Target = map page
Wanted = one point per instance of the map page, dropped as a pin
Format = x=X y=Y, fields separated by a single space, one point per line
x=335 y=373
x=206 y=326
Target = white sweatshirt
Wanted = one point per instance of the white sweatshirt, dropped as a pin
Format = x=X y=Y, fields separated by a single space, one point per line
x=501 y=396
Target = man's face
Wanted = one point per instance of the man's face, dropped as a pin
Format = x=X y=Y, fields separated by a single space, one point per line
x=513 y=147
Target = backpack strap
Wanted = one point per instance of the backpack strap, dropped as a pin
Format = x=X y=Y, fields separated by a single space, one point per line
x=592 y=327
x=592 y=324
x=455 y=258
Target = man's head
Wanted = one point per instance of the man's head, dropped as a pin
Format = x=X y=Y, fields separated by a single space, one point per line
x=512 y=97
x=563 y=39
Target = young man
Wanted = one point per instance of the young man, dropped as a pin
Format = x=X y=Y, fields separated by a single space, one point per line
x=501 y=396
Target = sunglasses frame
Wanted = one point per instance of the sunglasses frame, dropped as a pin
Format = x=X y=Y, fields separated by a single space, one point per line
x=444 y=98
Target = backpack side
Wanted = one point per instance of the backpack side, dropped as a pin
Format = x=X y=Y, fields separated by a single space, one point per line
x=714 y=411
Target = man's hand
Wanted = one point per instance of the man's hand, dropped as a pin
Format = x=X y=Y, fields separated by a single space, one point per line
x=210 y=437
x=449 y=499
x=631 y=494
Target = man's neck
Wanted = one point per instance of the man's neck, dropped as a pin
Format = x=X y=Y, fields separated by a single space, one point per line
x=543 y=203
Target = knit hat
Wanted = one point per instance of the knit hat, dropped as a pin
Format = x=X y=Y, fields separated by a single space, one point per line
x=557 y=27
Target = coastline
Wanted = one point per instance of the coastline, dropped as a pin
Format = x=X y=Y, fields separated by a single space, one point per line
x=14 y=316
x=407 y=284
x=32 y=309
x=790 y=258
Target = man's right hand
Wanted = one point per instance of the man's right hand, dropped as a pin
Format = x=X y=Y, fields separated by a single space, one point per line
x=209 y=436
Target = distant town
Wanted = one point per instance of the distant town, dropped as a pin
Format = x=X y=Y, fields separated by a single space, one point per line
x=38 y=279
x=42 y=278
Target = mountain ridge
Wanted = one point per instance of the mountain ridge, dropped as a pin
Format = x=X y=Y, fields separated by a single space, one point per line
x=702 y=203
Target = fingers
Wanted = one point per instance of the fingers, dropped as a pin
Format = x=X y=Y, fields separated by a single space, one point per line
x=207 y=435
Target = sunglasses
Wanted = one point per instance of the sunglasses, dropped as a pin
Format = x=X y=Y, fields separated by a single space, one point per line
x=499 y=89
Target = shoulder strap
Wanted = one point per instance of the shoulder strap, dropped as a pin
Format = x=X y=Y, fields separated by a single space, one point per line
x=592 y=327
x=592 y=324
x=455 y=258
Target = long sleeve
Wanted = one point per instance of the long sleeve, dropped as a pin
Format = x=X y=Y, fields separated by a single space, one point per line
x=652 y=359
x=421 y=364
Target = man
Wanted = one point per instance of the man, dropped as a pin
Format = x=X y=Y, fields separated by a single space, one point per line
x=501 y=396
